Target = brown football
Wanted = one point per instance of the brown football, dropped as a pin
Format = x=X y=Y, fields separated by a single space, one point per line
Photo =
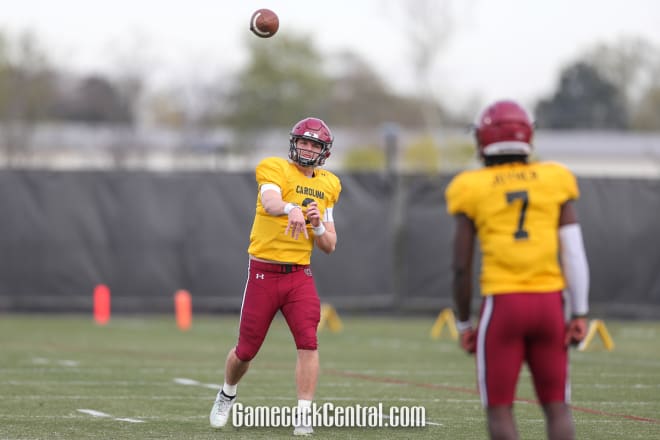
x=264 y=23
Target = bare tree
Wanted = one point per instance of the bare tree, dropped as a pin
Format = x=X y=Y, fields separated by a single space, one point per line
x=26 y=88
x=134 y=63
x=428 y=26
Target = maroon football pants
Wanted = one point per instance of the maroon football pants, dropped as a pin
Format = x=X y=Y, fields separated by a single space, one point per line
x=273 y=287
x=516 y=328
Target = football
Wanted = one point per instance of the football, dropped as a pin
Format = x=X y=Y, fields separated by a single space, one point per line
x=264 y=23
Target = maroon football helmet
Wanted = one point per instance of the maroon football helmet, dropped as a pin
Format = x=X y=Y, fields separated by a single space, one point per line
x=504 y=128
x=315 y=130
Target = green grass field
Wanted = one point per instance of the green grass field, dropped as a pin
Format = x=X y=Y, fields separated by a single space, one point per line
x=162 y=381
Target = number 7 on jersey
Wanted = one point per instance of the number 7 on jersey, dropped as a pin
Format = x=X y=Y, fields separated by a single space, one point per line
x=520 y=233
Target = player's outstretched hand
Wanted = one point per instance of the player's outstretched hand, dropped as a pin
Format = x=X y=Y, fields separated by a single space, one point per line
x=296 y=224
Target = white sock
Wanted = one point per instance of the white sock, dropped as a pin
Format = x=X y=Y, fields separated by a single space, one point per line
x=304 y=412
x=229 y=390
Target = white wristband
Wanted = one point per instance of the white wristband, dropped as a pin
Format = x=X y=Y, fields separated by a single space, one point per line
x=462 y=326
x=319 y=230
x=288 y=207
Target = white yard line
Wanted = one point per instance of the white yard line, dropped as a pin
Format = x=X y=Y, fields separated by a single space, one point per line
x=123 y=419
x=62 y=362
x=185 y=381
x=95 y=413
x=193 y=382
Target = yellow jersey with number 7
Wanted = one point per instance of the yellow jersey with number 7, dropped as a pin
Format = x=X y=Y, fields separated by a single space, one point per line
x=515 y=208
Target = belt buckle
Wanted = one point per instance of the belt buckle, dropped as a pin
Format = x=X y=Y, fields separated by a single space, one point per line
x=287 y=268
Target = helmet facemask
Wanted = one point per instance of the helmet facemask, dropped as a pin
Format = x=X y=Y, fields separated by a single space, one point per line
x=305 y=156
x=314 y=130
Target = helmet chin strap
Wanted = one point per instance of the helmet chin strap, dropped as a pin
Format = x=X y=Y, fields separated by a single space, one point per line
x=311 y=162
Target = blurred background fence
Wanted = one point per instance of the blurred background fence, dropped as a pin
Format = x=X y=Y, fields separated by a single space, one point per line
x=117 y=176
x=148 y=234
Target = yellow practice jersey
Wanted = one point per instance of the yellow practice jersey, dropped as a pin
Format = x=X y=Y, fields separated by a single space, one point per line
x=515 y=208
x=267 y=239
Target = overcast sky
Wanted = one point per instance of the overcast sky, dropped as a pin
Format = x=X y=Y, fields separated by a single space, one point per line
x=498 y=48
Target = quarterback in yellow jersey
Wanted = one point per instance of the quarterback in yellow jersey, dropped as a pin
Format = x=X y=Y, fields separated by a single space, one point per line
x=523 y=216
x=294 y=213
x=266 y=239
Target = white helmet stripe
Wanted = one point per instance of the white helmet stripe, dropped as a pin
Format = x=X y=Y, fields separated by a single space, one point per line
x=506 y=147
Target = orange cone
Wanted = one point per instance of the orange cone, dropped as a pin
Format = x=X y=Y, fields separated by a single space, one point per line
x=101 y=304
x=183 y=309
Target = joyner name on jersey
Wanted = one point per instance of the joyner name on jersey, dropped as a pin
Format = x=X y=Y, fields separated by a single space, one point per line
x=520 y=175
x=309 y=191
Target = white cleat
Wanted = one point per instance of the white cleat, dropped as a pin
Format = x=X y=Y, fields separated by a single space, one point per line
x=302 y=425
x=221 y=410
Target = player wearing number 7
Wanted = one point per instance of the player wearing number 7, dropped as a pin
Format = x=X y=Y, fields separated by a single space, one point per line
x=523 y=215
